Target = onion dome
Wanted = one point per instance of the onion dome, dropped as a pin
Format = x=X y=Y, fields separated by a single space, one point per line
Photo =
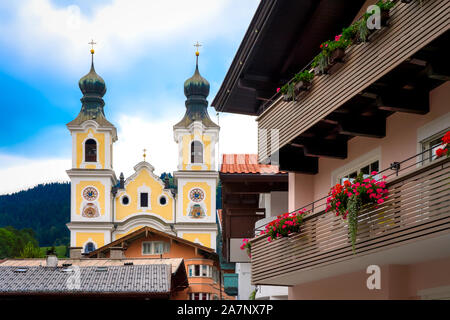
x=92 y=83
x=93 y=88
x=196 y=85
x=196 y=89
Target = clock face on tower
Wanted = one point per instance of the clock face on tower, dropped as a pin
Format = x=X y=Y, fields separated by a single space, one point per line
x=90 y=194
x=196 y=195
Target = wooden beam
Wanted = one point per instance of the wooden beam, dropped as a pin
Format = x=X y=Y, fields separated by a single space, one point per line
x=439 y=70
x=409 y=101
x=364 y=126
x=316 y=147
x=293 y=159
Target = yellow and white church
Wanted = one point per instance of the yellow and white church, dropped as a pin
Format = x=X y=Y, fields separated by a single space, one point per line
x=105 y=208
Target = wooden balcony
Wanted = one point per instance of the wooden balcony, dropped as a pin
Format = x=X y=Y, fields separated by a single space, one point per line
x=412 y=226
x=393 y=72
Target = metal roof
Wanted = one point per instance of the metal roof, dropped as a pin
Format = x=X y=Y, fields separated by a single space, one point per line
x=130 y=279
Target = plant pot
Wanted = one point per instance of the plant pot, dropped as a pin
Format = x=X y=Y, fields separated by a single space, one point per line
x=407 y=1
x=337 y=56
x=301 y=86
x=287 y=97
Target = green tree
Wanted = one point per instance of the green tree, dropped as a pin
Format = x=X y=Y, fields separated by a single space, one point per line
x=30 y=251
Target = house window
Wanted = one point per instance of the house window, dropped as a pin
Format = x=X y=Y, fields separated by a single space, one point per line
x=90 y=151
x=366 y=169
x=89 y=247
x=144 y=199
x=155 y=247
x=199 y=296
x=200 y=270
x=196 y=152
x=430 y=145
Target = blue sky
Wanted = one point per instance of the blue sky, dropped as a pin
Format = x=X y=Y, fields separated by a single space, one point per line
x=145 y=52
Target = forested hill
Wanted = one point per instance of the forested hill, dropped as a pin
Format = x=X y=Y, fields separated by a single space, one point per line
x=44 y=208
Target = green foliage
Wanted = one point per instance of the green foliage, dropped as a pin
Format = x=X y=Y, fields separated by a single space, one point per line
x=320 y=61
x=45 y=209
x=31 y=251
x=353 y=206
x=13 y=241
x=288 y=90
x=252 y=295
x=361 y=28
x=304 y=76
x=60 y=251
x=385 y=5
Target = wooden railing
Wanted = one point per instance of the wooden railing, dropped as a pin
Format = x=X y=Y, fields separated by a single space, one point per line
x=412 y=27
x=418 y=208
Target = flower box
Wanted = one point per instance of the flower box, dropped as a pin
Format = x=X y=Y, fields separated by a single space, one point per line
x=301 y=86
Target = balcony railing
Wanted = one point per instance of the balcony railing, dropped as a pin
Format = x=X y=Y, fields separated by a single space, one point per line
x=418 y=208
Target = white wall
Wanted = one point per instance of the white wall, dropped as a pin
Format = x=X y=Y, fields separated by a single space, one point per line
x=245 y=287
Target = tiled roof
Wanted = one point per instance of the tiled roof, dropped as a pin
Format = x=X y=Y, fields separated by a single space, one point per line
x=93 y=262
x=131 y=279
x=245 y=163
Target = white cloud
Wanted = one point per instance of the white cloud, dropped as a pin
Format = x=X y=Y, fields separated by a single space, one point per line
x=124 y=29
x=18 y=173
x=238 y=135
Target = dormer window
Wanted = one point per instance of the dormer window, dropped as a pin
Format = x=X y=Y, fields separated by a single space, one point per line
x=90 y=150
x=196 y=152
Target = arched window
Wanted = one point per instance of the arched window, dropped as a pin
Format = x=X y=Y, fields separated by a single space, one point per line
x=90 y=151
x=196 y=152
x=89 y=247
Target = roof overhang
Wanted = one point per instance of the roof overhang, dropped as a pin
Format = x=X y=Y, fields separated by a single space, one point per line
x=282 y=38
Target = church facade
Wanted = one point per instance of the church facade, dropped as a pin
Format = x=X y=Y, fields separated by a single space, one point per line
x=105 y=208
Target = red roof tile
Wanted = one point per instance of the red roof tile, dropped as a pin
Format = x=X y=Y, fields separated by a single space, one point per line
x=245 y=163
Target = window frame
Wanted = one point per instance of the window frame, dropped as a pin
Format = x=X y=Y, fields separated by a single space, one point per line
x=165 y=247
x=192 y=155
x=425 y=144
x=85 y=145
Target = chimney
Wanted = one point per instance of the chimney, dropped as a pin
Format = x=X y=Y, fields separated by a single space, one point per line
x=75 y=252
x=116 y=253
x=52 y=261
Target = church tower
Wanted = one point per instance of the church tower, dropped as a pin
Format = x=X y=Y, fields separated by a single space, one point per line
x=196 y=135
x=91 y=175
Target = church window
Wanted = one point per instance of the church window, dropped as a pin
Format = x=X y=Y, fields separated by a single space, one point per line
x=90 y=150
x=89 y=247
x=125 y=200
x=196 y=152
x=162 y=200
x=144 y=200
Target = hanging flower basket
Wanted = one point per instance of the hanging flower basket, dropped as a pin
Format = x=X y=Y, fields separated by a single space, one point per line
x=349 y=199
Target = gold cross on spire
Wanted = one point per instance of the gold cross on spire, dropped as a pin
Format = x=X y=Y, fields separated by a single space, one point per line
x=197 y=45
x=144 y=153
x=92 y=45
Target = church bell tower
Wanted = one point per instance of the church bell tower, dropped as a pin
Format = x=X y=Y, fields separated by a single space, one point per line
x=196 y=135
x=91 y=174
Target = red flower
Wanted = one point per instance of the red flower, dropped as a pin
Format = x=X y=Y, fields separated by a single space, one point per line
x=446 y=138
x=278 y=89
x=440 y=152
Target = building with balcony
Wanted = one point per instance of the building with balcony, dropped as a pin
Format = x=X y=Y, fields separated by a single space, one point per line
x=381 y=105
x=252 y=194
